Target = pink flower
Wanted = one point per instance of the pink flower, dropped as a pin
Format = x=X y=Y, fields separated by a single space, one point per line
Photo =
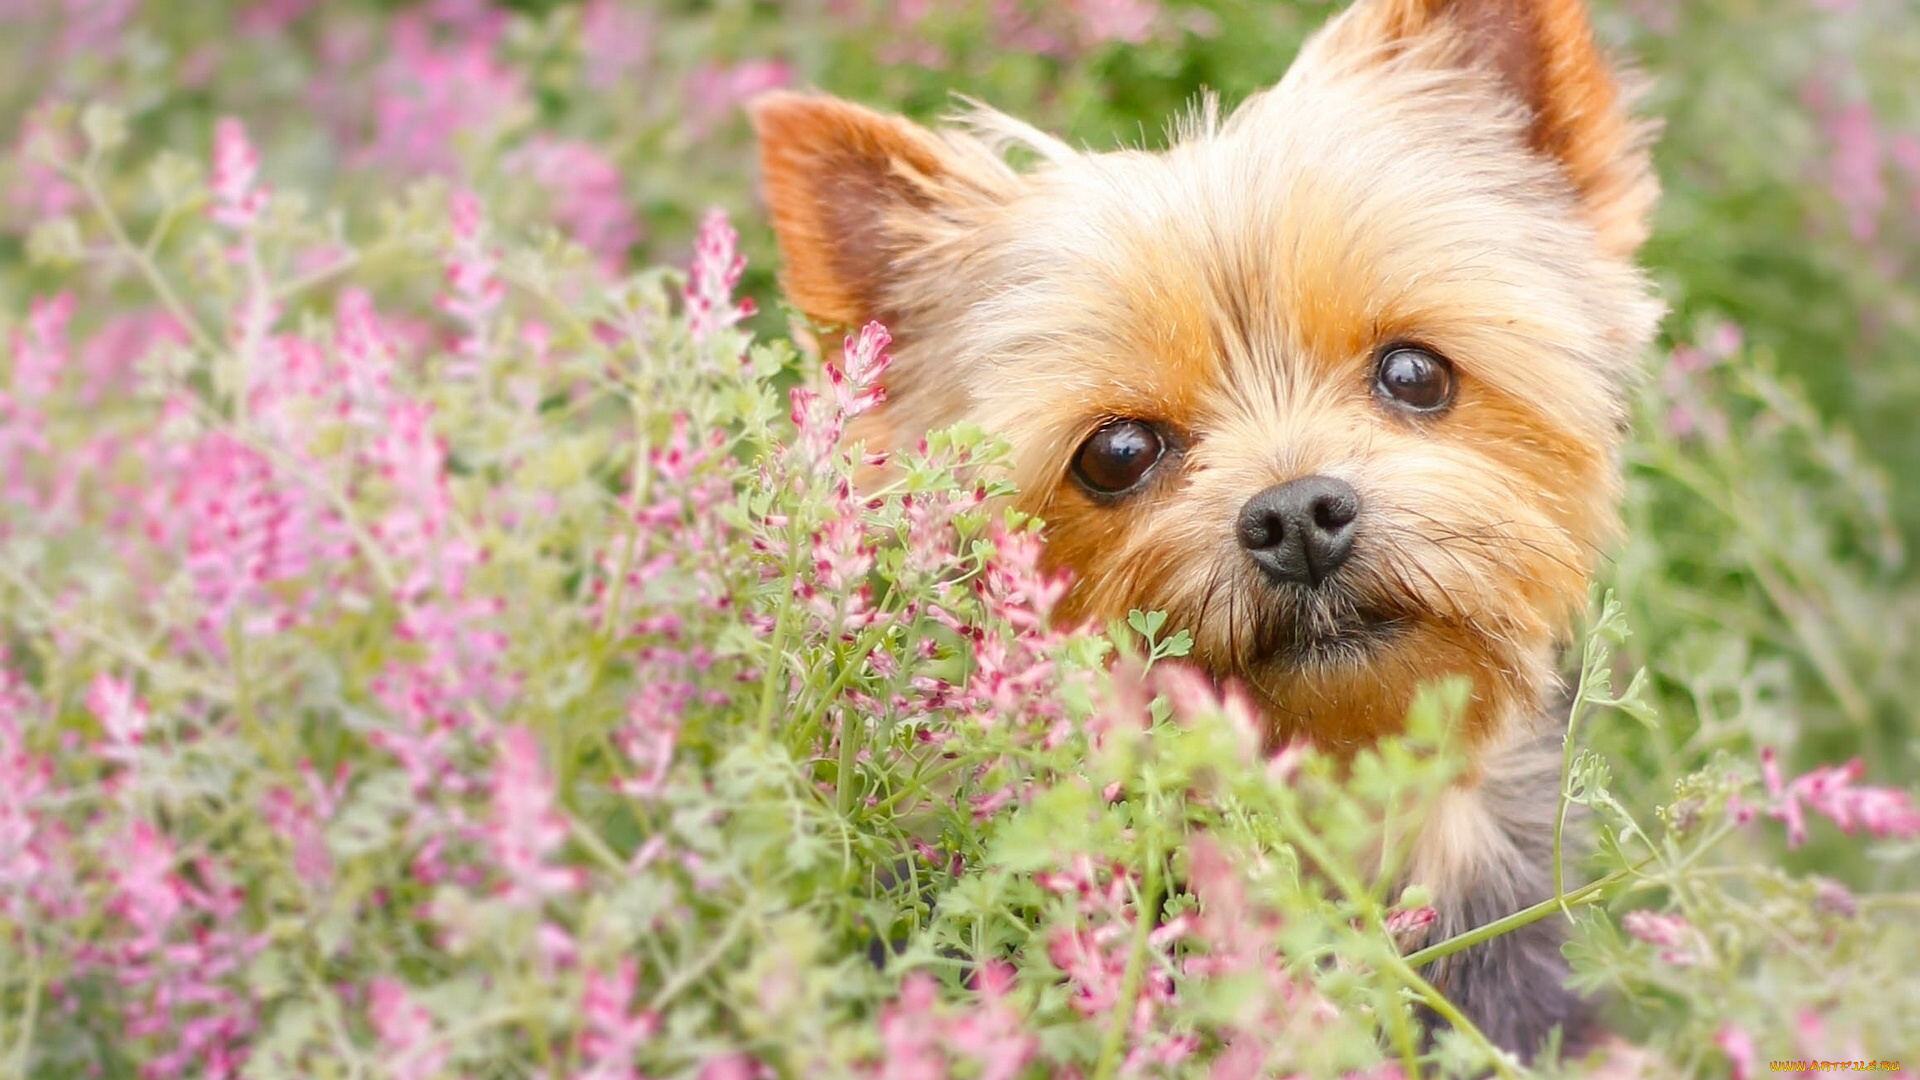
x=24 y=778
x=713 y=92
x=864 y=360
x=272 y=16
x=922 y=1040
x=1831 y=792
x=473 y=289
x=243 y=532
x=40 y=348
x=300 y=822
x=1014 y=586
x=150 y=895
x=121 y=714
x=430 y=93
x=39 y=191
x=612 y=1031
x=177 y=949
x=1409 y=926
x=588 y=193
x=1129 y=21
x=39 y=359
x=734 y=1067
x=95 y=26
x=652 y=730
x=236 y=201
x=616 y=40
x=407 y=1031
x=366 y=358
x=716 y=270
x=525 y=830
x=111 y=357
x=1671 y=934
x=1854 y=173
x=854 y=386
x=1738 y=1046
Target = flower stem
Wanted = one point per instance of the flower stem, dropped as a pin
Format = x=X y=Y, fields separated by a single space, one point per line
x=1586 y=894
x=1123 y=1009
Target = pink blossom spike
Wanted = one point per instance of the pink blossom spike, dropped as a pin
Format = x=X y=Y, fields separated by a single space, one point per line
x=716 y=270
x=525 y=830
x=1671 y=934
x=24 y=858
x=407 y=1031
x=1738 y=1046
x=237 y=202
x=474 y=290
x=612 y=1030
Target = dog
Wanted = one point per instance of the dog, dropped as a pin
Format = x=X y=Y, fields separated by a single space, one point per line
x=1337 y=381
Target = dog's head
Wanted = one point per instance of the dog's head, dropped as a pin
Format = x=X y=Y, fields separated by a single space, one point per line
x=1335 y=381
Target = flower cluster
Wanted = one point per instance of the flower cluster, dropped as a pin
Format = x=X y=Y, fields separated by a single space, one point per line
x=1830 y=791
x=438 y=639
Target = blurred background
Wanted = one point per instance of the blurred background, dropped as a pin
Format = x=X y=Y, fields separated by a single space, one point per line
x=1773 y=495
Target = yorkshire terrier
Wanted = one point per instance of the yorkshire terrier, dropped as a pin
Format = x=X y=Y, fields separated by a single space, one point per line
x=1336 y=381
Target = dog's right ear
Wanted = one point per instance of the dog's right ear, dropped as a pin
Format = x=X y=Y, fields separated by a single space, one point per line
x=853 y=192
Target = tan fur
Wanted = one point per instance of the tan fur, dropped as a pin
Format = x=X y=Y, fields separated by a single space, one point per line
x=1459 y=174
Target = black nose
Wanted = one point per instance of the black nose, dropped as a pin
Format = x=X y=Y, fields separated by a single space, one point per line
x=1302 y=530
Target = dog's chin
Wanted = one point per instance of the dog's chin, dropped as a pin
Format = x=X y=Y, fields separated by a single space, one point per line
x=1317 y=633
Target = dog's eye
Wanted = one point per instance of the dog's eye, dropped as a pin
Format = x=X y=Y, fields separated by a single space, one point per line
x=1117 y=456
x=1415 y=378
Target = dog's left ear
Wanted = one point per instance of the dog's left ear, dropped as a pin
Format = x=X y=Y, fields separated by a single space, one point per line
x=857 y=196
x=1544 y=55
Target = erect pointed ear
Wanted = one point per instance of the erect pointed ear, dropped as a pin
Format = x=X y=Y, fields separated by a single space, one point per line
x=852 y=191
x=1544 y=54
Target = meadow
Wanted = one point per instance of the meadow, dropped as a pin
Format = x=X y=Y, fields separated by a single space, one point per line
x=438 y=637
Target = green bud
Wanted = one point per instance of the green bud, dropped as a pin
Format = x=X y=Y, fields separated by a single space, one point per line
x=55 y=242
x=105 y=126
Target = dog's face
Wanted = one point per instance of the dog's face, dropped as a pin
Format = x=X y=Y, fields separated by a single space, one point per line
x=1336 y=382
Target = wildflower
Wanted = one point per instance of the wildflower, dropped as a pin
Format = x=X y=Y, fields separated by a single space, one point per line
x=407 y=1031
x=434 y=90
x=588 y=195
x=95 y=26
x=1834 y=898
x=714 y=92
x=39 y=191
x=1854 y=168
x=237 y=202
x=1671 y=934
x=121 y=715
x=716 y=270
x=1129 y=21
x=39 y=358
x=525 y=830
x=734 y=1067
x=365 y=356
x=1409 y=926
x=617 y=41
x=113 y=355
x=23 y=779
x=612 y=1032
x=39 y=348
x=242 y=531
x=1831 y=792
x=921 y=1040
x=473 y=289
x=1738 y=1046
x=856 y=381
x=652 y=730
x=300 y=821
